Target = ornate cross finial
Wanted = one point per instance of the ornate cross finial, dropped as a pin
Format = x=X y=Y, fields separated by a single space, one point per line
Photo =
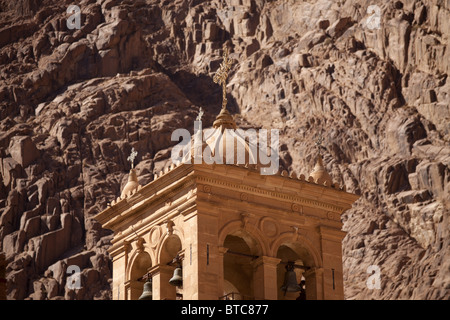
x=132 y=157
x=222 y=74
x=319 y=142
x=200 y=114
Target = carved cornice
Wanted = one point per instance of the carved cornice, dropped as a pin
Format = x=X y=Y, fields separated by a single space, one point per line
x=269 y=193
x=140 y=202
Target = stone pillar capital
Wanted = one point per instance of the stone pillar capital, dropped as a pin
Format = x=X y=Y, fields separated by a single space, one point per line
x=160 y=268
x=222 y=250
x=266 y=260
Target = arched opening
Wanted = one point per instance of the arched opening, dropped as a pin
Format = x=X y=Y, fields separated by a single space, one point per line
x=139 y=268
x=238 y=266
x=293 y=254
x=230 y=291
x=170 y=249
x=169 y=252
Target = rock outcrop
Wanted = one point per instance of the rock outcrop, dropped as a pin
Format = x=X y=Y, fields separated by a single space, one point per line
x=73 y=102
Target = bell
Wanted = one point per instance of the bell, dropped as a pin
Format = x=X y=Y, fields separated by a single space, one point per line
x=147 y=293
x=290 y=280
x=177 y=278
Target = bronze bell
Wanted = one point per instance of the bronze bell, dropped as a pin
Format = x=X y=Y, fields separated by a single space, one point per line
x=177 y=278
x=290 y=280
x=147 y=294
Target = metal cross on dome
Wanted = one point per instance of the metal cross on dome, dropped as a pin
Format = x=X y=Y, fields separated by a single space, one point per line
x=132 y=156
x=222 y=74
x=319 y=142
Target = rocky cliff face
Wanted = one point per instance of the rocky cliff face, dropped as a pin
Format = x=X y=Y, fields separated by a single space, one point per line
x=73 y=102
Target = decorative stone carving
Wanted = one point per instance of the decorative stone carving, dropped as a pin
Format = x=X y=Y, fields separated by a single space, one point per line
x=155 y=236
x=296 y=233
x=297 y=208
x=269 y=227
x=140 y=244
x=333 y=216
x=244 y=219
x=169 y=226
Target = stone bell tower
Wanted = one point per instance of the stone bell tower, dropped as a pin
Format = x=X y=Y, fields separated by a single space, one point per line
x=232 y=230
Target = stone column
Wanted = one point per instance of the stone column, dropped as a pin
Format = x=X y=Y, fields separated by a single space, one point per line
x=162 y=290
x=314 y=284
x=190 y=262
x=265 y=278
x=134 y=289
x=221 y=253
x=208 y=261
x=119 y=267
x=333 y=282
